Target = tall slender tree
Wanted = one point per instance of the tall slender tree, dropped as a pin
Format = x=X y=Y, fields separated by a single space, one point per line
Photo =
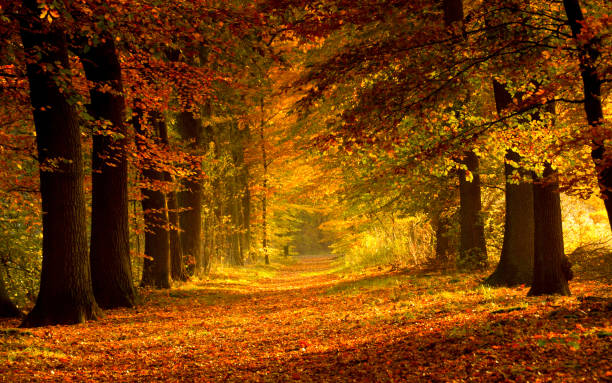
x=178 y=271
x=264 y=187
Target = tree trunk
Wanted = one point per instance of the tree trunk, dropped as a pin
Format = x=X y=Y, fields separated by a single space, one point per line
x=191 y=198
x=515 y=265
x=551 y=270
x=7 y=307
x=589 y=53
x=444 y=249
x=234 y=238
x=235 y=189
x=244 y=203
x=207 y=226
x=264 y=199
x=156 y=270
x=246 y=216
x=472 y=247
x=441 y=223
x=110 y=252
x=178 y=271
x=453 y=12
x=66 y=294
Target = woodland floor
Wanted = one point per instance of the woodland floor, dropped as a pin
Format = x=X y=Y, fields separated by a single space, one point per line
x=306 y=321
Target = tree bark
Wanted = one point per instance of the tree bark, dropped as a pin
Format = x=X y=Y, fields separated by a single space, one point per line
x=515 y=265
x=588 y=54
x=66 y=295
x=178 y=271
x=191 y=198
x=110 y=253
x=235 y=191
x=246 y=216
x=264 y=198
x=551 y=270
x=453 y=12
x=7 y=307
x=156 y=270
x=472 y=246
x=445 y=244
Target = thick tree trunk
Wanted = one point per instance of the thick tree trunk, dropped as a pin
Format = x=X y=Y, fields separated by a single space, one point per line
x=156 y=270
x=515 y=265
x=591 y=80
x=110 y=253
x=66 y=294
x=472 y=246
x=551 y=270
x=7 y=307
x=191 y=198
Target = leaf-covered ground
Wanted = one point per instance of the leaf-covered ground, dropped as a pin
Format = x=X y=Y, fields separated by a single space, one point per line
x=305 y=322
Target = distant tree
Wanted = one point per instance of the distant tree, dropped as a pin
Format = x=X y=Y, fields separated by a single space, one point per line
x=442 y=222
x=7 y=307
x=178 y=271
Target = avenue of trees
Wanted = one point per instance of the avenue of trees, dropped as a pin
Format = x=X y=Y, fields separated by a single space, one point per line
x=224 y=131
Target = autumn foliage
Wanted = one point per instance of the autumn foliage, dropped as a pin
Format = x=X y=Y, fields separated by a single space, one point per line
x=322 y=190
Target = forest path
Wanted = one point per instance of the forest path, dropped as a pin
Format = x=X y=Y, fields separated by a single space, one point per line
x=305 y=321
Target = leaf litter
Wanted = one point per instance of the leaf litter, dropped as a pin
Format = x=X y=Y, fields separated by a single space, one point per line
x=306 y=324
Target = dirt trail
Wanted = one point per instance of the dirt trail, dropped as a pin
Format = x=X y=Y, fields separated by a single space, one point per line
x=307 y=324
